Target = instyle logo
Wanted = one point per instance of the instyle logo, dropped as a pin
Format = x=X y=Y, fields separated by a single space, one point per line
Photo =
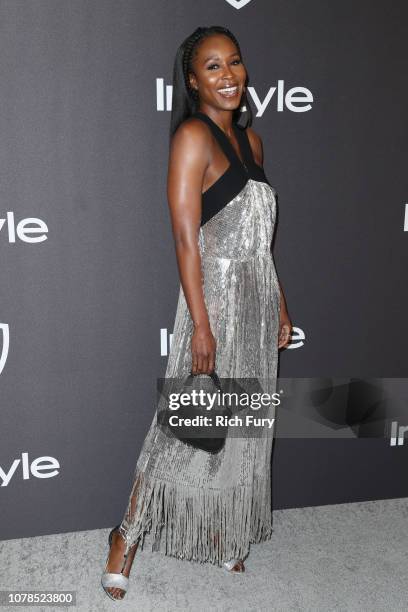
x=165 y=342
x=397 y=437
x=238 y=4
x=22 y=231
x=295 y=99
x=5 y=343
x=48 y=469
x=297 y=338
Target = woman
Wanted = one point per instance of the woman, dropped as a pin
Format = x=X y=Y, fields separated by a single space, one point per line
x=231 y=317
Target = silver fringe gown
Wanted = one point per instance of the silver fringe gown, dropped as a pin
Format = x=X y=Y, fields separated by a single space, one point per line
x=194 y=505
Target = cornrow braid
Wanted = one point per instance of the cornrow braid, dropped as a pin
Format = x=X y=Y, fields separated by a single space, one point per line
x=190 y=45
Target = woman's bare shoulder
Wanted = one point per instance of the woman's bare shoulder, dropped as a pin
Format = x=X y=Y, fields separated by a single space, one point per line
x=192 y=132
x=190 y=149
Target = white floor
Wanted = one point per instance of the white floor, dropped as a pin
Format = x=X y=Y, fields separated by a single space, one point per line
x=344 y=557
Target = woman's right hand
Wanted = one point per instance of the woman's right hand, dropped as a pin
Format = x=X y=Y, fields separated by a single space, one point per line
x=203 y=347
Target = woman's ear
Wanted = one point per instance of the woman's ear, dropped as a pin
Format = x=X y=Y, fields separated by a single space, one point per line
x=193 y=81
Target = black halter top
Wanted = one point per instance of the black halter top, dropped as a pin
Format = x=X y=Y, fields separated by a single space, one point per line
x=236 y=176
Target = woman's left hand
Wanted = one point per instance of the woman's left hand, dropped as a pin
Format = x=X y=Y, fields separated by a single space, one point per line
x=285 y=329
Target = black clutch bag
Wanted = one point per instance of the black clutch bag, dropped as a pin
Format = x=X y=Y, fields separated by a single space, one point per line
x=196 y=421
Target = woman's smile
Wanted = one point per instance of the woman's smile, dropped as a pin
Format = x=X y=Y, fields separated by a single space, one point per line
x=229 y=92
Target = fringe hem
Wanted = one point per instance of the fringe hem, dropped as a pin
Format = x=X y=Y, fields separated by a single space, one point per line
x=197 y=523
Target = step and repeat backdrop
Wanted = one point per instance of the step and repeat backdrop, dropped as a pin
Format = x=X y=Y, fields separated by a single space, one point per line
x=88 y=275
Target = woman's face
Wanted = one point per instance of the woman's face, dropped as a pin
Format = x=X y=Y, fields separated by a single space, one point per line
x=217 y=65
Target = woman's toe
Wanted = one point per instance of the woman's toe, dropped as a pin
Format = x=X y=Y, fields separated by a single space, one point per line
x=115 y=592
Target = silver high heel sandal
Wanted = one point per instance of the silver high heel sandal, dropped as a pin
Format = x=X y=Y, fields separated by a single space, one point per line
x=109 y=579
x=229 y=565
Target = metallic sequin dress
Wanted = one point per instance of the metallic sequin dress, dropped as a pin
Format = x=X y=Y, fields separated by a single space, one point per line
x=195 y=505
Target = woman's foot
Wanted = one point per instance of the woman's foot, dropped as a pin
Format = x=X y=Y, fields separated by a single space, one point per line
x=235 y=566
x=117 y=563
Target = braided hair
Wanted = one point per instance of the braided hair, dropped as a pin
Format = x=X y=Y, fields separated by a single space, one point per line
x=185 y=98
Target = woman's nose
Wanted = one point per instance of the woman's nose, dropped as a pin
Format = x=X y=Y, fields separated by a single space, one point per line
x=226 y=72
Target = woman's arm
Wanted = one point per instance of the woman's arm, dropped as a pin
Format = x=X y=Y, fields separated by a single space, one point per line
x=188 y=160
x=283 y=305
x=285 y=325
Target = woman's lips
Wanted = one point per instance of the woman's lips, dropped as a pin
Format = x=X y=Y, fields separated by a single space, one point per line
x=228 y=92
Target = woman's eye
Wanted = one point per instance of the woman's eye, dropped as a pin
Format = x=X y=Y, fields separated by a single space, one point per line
x=214 y=65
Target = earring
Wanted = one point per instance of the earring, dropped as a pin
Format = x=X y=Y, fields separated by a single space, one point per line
x=243 y=108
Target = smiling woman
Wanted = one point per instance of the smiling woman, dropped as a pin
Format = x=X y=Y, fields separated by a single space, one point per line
x=231 y=319
x=231 y=89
